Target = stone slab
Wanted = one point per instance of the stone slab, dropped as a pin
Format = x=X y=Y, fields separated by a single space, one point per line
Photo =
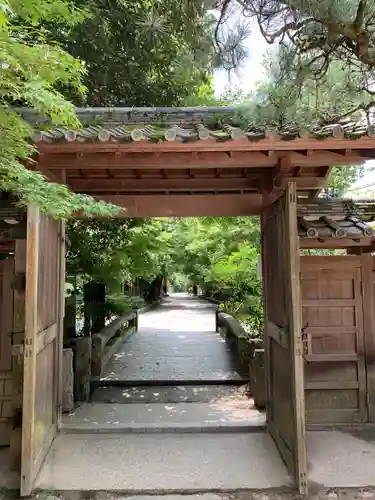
x=176 y=374
x=162 y=463
x=341 y=458
x=220 y=415
x=163 y=394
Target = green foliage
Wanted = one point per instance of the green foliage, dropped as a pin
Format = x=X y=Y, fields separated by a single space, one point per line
x=221 y=256
x=30 y=73
x=341 y=178
x=141 y=52
x=117 y=252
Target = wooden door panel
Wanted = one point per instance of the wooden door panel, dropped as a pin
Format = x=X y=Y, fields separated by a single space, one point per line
x=332 y=309
x=281 y=289
x=42 y=336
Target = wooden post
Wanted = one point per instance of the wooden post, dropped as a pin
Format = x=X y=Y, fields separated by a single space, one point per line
x=295 y=324
x=30 y=352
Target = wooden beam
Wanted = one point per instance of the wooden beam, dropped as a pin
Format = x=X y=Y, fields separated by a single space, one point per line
x=323 y=158
x=186 y=205
x=90 y=160
x=307 y=182
x=283 y=166
x=188 y=184
x=363 y=143
x=273 y=182
x=163 y=160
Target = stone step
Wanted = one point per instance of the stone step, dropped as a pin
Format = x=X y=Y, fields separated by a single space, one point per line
x=193 y=381
x=165 y=394
x=222 y=415
x=162 y=464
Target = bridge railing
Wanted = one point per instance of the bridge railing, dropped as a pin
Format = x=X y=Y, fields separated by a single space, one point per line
x=249 y=351
x=105 y=343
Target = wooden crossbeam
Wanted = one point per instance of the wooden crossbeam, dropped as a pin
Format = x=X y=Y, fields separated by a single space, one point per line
x=117 y=185
x=91 y=160
x=166 y=184
x=184 y=205
x=152 y=160
x=324 y=158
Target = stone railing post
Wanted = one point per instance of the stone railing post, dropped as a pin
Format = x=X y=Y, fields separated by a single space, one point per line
x=82 y=369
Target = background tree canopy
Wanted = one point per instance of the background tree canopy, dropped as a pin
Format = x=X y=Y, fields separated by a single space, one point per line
x=321 y=42
x=140 y=53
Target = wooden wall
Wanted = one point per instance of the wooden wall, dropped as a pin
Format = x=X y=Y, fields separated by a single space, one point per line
x=333 y=312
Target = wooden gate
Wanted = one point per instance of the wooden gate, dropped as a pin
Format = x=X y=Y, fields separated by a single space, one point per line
x=285 y=387
x=43 y=342
x=332 y=310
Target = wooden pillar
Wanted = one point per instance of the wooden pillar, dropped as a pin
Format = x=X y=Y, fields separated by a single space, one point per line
x=368 y=280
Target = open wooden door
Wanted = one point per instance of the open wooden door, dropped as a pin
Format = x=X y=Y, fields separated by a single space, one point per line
x=43 y=343
x=283 y=342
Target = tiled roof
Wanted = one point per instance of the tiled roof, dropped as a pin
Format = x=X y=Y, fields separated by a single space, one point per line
x=333 y=227
x=180 y=124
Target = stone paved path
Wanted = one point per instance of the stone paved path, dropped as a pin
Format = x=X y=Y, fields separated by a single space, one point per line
x=176 y=342
x=192 y=377
x=162 y=441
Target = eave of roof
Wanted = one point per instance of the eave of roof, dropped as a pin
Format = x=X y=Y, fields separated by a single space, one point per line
x=180 y=124
x=334 y=227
